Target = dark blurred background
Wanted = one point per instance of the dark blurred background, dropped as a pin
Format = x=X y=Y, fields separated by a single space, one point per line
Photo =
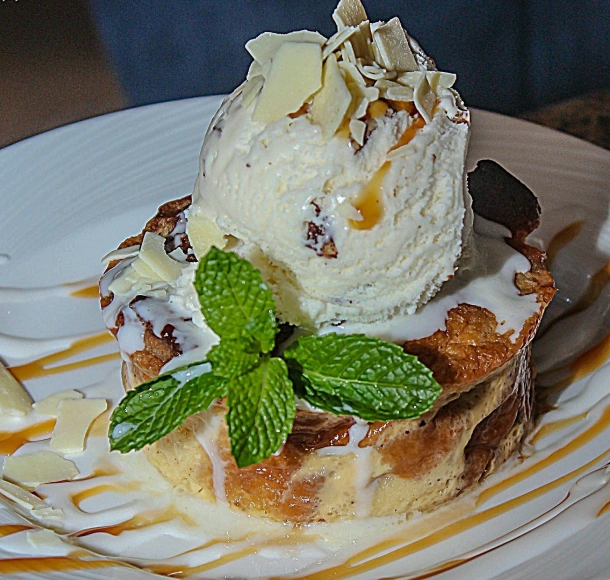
x=77 y=58
x=510 y=55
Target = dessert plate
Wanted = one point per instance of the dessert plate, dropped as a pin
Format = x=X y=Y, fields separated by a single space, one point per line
x=71 y=195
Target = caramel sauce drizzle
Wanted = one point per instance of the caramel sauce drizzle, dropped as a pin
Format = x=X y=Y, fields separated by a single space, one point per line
x=450 y=565
x=205 y=546
x=303 y=110
x=87 y=292
x=366 y=560
x=546 y=430
x=54 y=564
x=604 y=510
x=377 y=109
x=41 y=367
x=561 y=239
x=584 y=364
x=408 y=106
x=591 y=433
x=410 y=132
x=183 y=571
x=368 y=203
x=597 y=283
x=9 y=529
x=80 y=496
x=361 y=563
x=104 y=471
x=10 y=441
x=141 y=520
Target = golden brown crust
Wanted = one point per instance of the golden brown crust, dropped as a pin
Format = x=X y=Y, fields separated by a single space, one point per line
x=163 y=223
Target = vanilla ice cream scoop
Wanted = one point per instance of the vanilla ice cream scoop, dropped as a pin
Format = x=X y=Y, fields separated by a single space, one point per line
x=337 y=169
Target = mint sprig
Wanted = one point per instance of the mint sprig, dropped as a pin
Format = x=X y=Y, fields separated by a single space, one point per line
x=343 y=374
x=354 y=374
x=157 y=407
x=235 y=301
x=261 y=411
x=231 y=358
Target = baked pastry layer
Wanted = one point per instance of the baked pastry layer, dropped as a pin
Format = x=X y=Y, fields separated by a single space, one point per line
x=338 y=466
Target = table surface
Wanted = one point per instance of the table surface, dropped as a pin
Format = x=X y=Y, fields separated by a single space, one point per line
x=54 y=71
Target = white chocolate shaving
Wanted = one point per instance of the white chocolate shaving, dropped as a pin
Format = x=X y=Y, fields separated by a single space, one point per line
x=20 y=496
x=294 y=76
x=363 y=96
x=424 y=99
x=375 y=72
x=393 y=46
x=152 y=253
x=266 y=45
x=349 y=13
x=251 y=90
x=440 y=80
x=357 y=129
x=74 y=418
x=336 y=40
x=49 y=405
x=383 y=84
x=348 y=211
x=379 y=53
x=347 y=53
x=409 y=79
x=47 y=540
x=121 y=254
x=351 y=73
x=123 y=283
x=143 y=270
x=332 y=101
x=48 y=513
x=265 y=68
x=362 y=42
x=254 y=70
x=399 y=93
x=203 y=234
x=14 y=400
x=32 y=470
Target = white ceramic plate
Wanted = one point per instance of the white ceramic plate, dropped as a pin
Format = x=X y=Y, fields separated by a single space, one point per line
x=71 y=195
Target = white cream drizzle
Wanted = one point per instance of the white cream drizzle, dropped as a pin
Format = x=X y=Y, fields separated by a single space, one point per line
x=20 y=295
x=207 y=435
x=19 y=347
x=159 y=304
x=364 y=486
x=130 y=335
x=487 y=280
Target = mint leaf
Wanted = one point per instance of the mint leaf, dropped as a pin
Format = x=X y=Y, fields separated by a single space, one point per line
x=361 y=375
x=233 y=357
x=261 y=411
x=343 y=374
x=235 y=301
x=157 y=407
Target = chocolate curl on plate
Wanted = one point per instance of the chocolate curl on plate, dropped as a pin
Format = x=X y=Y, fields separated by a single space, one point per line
x=500 y=197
